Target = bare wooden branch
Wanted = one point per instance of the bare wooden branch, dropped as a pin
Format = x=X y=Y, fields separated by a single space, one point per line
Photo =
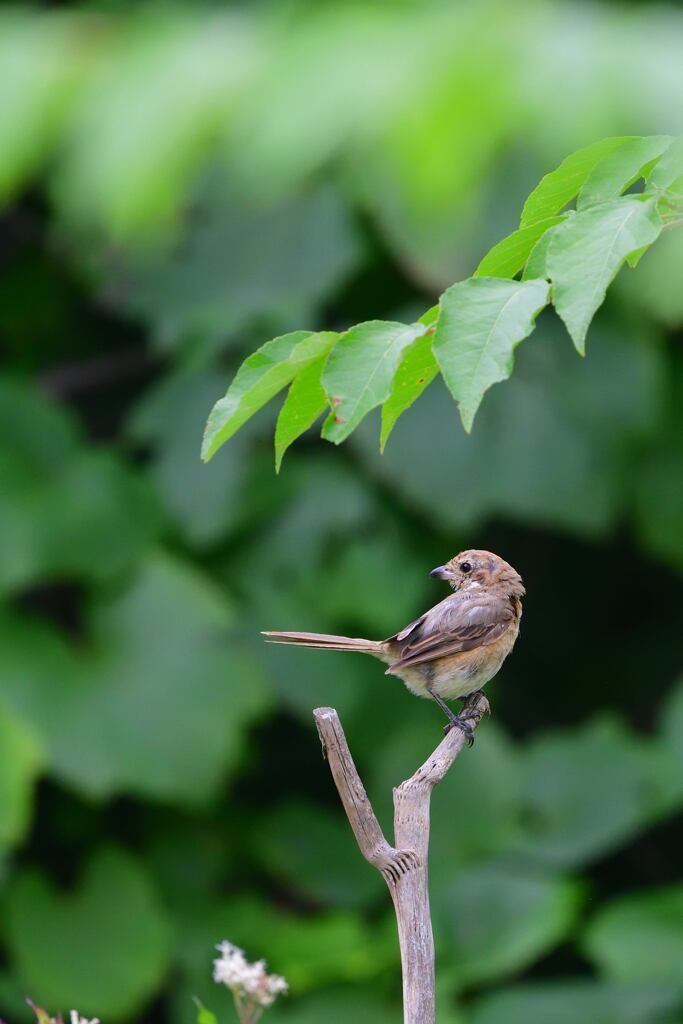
x=404 y=865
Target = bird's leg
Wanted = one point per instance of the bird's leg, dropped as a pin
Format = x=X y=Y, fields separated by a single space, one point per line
x=460 y=721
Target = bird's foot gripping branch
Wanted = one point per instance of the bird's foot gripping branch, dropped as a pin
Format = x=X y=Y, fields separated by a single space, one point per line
x=576 y=231
x=404 y=865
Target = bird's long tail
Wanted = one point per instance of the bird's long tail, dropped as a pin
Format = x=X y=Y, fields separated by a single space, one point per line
x=326 y=641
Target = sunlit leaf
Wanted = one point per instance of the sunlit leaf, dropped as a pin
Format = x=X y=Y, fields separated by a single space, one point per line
x=259 y=379
x=305 y=402
x=559 y=186
x=586 y=252
x=360 y=371
x=41 y=63
x=482 y=321
x=620 y=168
x=509 y=256
x=102 y=175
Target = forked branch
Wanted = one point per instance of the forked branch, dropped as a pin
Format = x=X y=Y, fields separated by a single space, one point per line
x=403 y=865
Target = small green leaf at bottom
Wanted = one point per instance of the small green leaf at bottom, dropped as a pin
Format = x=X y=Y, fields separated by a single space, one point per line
x=204 y=1016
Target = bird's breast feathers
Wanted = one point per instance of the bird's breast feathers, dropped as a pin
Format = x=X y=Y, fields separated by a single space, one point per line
x=456 y=673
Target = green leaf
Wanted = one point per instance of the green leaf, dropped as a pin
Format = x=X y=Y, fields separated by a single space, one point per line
x=111 y=185
x=482 y=321
x=259 y=379
x=588 y=414
x=305 y=402
x=639 y=938
x=431 y=316
x=416 y=371
x=634 y=258
x=363 y=592
x=66 y=510
x=119 y=714
x=667 y=174
x=509 y=256
x=310 y=950
x=326 y=868
x=584 y=793
x=499 y=918
x=586 y=252
x=557 y=188
x=360 y=371
x=572 y=1000
x=202 y=501
x=204 y=1016
x=40 y=68
x=238 y=265
x=670 y=750
x=620 y=168
x=536 y=266
x=103 y=947
x=22 y=759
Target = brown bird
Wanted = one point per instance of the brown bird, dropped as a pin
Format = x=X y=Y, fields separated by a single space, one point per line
x=457 y=646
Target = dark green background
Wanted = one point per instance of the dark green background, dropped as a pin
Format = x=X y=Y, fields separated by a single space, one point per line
x=179 y=185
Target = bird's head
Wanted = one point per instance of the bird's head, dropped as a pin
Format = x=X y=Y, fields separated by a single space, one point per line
x=475 y=569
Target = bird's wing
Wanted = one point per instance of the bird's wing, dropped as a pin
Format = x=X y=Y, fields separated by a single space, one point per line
x=457 y=624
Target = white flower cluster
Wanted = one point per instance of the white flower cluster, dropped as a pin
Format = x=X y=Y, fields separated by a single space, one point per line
x=248 y=982
x=77 y=1019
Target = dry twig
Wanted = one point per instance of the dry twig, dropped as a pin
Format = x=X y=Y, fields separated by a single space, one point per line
x=404 y=865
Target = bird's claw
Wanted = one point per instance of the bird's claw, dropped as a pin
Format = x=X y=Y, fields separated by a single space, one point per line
x=464 y=723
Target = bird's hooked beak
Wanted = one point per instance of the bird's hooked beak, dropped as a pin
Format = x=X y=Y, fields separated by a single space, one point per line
x=442 y=572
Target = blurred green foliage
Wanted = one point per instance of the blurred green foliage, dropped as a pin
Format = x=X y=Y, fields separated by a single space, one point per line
x=179 y=185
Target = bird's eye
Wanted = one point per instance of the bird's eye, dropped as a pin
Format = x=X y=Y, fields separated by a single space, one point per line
x=465 y=567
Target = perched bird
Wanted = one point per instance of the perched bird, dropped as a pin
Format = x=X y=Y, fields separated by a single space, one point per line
x=457 y=646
